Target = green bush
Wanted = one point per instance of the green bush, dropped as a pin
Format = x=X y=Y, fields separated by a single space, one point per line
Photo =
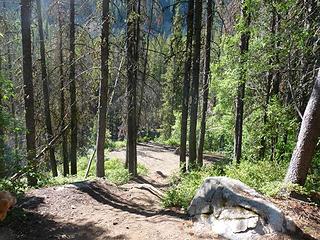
x=184 y=187
x=16 y=187
x=264 y=176
x=115 y=145
x=116 y=172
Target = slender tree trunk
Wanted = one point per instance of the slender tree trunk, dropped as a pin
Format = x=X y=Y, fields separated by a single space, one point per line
x=210 y=16
x=2 y=127
x=186 y=88
x=145 y=66
x=273 y=81
x=244 y=47
x=65 y=154
x=116 y=82
x=195 y=85
x=103 y=92
x=12 y=103
x=2 y=163
x=269 y=84
x=132 y=72
x=28 y=89
x=307 y=139
x=46 y=96
x=73 y=95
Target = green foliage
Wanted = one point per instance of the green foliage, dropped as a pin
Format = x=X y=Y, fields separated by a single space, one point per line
x=174 y=139
x=185 y=186
x=114 y=169
x=173 y=79
x=264 y=176
x=16 y=187
x=115 y=145
x=116 y=172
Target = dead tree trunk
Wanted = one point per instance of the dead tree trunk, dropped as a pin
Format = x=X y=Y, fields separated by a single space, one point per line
x=103 y=92
x=73 y=95
x=28 y=90
x=195 y=85
x=244 y=47
x=307 y=139
x=210 y=15
x=186 y=87
x=45 y=87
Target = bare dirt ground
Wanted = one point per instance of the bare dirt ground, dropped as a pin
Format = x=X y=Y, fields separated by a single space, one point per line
x=99 y=210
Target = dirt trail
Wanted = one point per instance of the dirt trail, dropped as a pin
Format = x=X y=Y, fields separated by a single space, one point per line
x=160 y=161
x=100 y=210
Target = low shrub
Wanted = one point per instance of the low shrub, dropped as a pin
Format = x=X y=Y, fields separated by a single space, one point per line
x=264 y=176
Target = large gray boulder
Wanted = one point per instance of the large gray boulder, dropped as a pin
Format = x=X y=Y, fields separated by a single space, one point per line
x=230 y=209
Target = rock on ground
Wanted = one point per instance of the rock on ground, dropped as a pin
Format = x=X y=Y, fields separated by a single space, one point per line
x=232 y=210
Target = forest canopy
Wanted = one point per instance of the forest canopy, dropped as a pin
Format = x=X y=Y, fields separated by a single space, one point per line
x=207 y=77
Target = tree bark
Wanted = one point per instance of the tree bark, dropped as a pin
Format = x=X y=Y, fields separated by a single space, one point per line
x=72 y=90
x=186 y=88
x=195 y=85
x=65 y=154
x=307 y=140
x=244 y=47
x=28 y=90
x=103 y=92
x=45 y=87
x=132 y=72
x=2 y=162
x=210 y=16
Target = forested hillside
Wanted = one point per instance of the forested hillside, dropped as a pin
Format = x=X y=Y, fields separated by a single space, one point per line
x=92 y=89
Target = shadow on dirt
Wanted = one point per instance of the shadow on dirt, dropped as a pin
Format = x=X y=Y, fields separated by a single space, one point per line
x=104 y=196
x=143 y=180
x=23 y=224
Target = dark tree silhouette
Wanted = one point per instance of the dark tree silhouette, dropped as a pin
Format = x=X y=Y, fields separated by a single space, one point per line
x=244 y=47
x=73 y=95
x=28 y=90
x=103 y=91
x=210 y=15
x=65 y=155
x=133 y=9
x=45 y=89
x=195 y=85
x=186 y=87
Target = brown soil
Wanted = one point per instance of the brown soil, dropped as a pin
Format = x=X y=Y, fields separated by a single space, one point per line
x=99 y=210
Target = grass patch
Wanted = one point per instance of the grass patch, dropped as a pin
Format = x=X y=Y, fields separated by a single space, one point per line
x=115 y=172
x=115 y=145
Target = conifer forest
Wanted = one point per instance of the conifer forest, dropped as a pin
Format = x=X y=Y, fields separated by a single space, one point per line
x=159 y=119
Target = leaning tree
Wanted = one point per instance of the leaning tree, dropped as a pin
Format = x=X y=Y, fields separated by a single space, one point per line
x=307 y=139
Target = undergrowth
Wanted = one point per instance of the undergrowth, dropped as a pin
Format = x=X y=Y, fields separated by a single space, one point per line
x=115 y=172
x=264 y=176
